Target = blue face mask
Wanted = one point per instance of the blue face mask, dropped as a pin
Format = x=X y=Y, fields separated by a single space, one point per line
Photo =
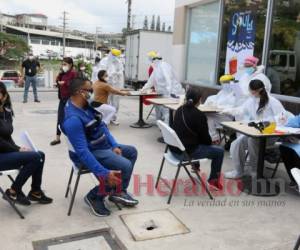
x=250 y=70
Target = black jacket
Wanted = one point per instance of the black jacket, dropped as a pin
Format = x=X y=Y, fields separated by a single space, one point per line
x=6 y=129
x=194 y=131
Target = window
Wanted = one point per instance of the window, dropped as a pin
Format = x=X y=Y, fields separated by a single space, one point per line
x=284 y=71
x=247 y=18
x=203 y=43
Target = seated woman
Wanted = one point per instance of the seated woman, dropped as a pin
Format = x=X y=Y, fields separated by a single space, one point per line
x=290 y=152
x=260 y=107
x=12 y=156
x=190 y=124
x=102 y=90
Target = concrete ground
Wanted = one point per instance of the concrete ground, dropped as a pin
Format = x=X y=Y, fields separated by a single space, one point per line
x=230 y=222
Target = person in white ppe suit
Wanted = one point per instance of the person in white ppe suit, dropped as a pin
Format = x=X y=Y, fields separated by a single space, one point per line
x=223 y=100
x=261 y=106
x=115 y=70
x=165 y=83
x=96 y=69
x=252 y=72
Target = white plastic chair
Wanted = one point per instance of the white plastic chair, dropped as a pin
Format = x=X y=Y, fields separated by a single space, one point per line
x=9 y=174
x=171 y=139
x=296 y=174
x=78 y=171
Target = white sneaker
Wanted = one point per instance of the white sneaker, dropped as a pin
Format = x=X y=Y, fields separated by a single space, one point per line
x=234 y=174
x=115 y=122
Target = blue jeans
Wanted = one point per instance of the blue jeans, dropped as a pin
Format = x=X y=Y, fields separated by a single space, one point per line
x=29 y=163
x=112 y=161
x=214 y=153
x=33 y=81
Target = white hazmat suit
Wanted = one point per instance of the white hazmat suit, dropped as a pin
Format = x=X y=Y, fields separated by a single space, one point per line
x=115 y=71
x=164 y=81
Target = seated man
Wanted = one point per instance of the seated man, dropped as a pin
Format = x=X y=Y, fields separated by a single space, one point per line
x=96 y=148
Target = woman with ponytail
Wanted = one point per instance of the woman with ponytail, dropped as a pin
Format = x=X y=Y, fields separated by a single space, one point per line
x=261 y=106
x=190 y=124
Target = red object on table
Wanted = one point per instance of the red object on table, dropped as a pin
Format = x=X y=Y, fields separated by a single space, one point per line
x=145 y=102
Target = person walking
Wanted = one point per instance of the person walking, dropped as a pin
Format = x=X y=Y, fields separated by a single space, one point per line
x=30 y=68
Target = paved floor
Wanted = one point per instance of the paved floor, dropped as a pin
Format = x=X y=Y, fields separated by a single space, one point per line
x=230 y=222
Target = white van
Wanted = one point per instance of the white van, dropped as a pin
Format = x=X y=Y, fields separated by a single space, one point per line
x=285 y=63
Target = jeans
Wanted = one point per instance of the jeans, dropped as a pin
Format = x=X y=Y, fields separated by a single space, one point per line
x=290 y=159
x=33 y=81
x=214 y=153
x=29 y=164
x=112 y=161
x=60 y=115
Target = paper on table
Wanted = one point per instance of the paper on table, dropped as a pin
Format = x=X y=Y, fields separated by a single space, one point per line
x=27 y=142
x=288 y=130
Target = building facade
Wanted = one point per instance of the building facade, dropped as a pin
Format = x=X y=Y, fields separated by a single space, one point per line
x=205 y=30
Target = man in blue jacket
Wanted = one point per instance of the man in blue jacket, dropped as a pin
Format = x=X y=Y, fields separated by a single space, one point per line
x=96 y=148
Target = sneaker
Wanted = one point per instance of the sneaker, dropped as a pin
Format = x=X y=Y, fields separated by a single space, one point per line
x=115 y=122
x=215 y=185
x=234 y=174
x=55 y=142
x=39 y=197
x=37 y=101
x=293 y=185
x=97 y=206
x=19 y=198
x=124 y=199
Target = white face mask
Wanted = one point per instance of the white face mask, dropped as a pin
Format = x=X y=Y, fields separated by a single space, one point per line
x=30 y=57
x=65 y=68
x=82 y=68
x=106 y=79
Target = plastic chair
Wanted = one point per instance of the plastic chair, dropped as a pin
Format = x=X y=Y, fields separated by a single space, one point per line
x=296 y=174
x=78 y=171
x=171 y=139
x=9 y=174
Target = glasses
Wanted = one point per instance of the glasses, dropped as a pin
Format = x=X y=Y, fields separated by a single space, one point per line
x=88 y=90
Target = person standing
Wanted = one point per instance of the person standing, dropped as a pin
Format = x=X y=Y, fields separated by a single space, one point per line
x=63 y=81
x=115 y=70
x=29 y=69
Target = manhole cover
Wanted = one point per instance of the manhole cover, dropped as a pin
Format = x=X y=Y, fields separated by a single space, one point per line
x=103 y=239
x=153 y=224
x=44 y=112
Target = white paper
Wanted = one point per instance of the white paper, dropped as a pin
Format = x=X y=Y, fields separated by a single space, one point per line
x=288 y=130
x=27 y=142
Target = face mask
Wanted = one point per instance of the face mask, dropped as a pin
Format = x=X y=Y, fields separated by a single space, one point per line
x=82 y=68
x=106 y=79
x=90 y=98
x=250 y=70
x=65 y=68
x=30 y=58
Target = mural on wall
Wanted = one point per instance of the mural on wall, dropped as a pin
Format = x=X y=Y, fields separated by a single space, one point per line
x=240 y=41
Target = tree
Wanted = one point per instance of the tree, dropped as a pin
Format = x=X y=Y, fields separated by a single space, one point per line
x=12 y=47
x=146 y=26
x=163 y=27
x=158 y=23
x=152 y=27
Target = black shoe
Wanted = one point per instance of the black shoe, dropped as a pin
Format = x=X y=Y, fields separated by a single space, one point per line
x=124 y=199
x=37 y=101
x=39 y=197
x=97 y=205
x=55 y=142
x=24 y=101
x=19 y=198
x=160 y=140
